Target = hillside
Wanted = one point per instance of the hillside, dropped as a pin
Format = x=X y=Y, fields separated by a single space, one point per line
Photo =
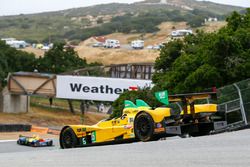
x=39 y=116
x=119 y=56
x=215 y=8
x=82 y=23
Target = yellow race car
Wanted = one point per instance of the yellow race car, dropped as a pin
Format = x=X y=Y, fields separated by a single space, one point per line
x=137 y=121
x=140 y=122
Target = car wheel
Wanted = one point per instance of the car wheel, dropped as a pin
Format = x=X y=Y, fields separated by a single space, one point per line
x=68 y=138
x=36 y=144
x=21 y=142
x=144 y=127
x=50 y=143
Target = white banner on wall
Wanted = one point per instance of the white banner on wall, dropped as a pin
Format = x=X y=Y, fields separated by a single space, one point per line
x=95 y=88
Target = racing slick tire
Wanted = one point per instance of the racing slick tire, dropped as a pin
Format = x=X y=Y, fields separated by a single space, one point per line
x=144 y=127
x=35 y=144
x=68 y=138
x=50 y=143
x=20 y=142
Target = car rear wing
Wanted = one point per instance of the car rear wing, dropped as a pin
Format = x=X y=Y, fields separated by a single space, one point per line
x=186 y=99
x=190 y=97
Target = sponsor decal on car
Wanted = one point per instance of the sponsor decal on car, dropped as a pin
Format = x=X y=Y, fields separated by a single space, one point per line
x=84 y=142
x=81 y=129
x=128 y=126
x=157 y=130
x=158 y=125
x=93 y=137
x=81 y=134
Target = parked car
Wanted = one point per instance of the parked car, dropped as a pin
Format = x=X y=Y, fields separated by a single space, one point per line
x=150 y=47
x=137 y=44
x=156 y=47
x=181 y=33
x=46 y=48
x=98 y=44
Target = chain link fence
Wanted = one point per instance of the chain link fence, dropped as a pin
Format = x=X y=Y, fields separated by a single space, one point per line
x=234 y=101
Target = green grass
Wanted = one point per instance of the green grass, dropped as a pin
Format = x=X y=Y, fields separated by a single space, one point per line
x=60 y=103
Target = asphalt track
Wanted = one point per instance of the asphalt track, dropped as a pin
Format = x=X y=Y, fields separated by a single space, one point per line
x=11 y=146
x=231 y=149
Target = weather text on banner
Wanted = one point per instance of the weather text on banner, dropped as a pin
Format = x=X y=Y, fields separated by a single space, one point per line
x=95 y=88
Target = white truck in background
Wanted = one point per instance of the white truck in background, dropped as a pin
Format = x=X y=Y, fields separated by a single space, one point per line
x=181 y=33
x=15 y=43
x=112 y=43
x=137 y=44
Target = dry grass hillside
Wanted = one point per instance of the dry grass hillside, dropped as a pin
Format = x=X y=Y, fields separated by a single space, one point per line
x=124 y=55
x=114 y=56
x=37 y=52
x=213 y=26
x=43 y=117
x=118 y=56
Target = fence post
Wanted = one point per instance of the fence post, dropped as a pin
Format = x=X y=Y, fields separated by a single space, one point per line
x=242 y=109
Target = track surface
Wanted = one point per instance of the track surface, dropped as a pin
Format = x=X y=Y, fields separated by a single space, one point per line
x=12 y=147
x=222 y=150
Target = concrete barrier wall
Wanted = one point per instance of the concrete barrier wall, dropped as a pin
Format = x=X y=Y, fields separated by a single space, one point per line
x=14 y=103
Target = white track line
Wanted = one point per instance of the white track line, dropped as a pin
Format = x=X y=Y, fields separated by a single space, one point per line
x=2 y=141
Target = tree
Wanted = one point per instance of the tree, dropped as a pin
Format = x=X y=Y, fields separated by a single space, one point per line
x=196 y=21
x=206 y=59
x=60 y=59
x=12 y=60
x=168 y=55
x=99 y=20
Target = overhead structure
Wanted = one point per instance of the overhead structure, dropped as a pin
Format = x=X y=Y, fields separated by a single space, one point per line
x=32 y=83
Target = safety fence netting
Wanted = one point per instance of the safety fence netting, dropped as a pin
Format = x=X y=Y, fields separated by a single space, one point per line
x=234 y=100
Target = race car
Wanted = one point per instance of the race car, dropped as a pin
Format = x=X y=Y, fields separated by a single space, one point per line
x=141 y=122
x=136 y=121
x=34 y=141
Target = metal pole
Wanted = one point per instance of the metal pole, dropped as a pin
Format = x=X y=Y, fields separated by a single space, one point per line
x=242 y=109
x=27 y=103
x=82 y=108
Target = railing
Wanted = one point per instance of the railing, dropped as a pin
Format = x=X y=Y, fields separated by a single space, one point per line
x=234 y=101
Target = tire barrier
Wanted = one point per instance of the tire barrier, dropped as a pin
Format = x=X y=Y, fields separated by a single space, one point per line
x=14 y=127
